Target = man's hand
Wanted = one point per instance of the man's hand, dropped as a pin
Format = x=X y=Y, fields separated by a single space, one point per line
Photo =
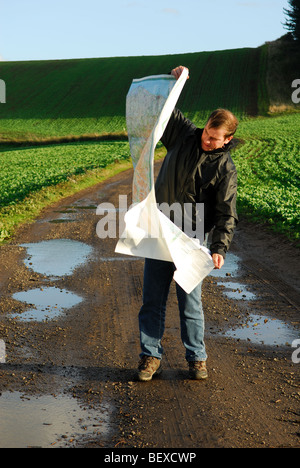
x=178 y=70
x=218 y=261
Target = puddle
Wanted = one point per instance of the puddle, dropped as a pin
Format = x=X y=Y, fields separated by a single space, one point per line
x=48 y=421
x=233 y=290
x=48 y=303
x=265 y=330
x=57 y=257
x=86 y=207
x=69 y=213
x=237 y=291
x=258 y=329
x=230 y=268
x=2 y=352
x=83 y=204
x=67 y=210
x=62 y=220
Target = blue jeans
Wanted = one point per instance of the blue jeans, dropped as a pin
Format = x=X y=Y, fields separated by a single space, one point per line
x=158 y=275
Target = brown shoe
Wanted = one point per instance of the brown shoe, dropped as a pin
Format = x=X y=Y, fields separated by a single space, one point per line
x=148 y=367
x=198 y=370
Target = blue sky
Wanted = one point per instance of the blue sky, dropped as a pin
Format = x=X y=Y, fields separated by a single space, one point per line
x=63 y=29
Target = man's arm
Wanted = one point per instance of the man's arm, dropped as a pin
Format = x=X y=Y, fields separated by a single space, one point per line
x=178 y=124
x=178 y=127
x=218 y=238
x=225 y=216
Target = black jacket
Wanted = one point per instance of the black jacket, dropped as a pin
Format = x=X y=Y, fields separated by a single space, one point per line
x=189 y=175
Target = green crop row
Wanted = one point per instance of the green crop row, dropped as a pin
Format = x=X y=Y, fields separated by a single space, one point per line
x=269 y=172
x=268 y=166
x=75 y=97
x=80 y=97
x=28 y=170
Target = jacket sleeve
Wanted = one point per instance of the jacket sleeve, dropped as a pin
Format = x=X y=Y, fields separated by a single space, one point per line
x=178 y=127
x=226 y=217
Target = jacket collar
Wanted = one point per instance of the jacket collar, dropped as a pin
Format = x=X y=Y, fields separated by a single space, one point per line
x=231 y=145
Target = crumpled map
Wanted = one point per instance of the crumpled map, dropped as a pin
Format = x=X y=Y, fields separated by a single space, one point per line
x=148 y=232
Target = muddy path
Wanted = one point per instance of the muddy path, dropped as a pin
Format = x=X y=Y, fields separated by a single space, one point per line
x=70 y=344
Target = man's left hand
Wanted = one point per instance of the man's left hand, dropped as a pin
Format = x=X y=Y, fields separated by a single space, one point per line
x=218 y=261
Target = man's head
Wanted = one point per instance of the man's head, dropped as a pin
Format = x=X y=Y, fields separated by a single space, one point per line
x=219 y=130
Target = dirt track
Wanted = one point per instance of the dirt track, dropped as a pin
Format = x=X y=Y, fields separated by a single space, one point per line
x=90 y=351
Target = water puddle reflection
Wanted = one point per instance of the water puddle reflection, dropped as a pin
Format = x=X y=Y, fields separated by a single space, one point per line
x=257 y=329
x=48 y=421
x=233 y=290
x=230 y=268
x=62 y=220
x=57 y=257
x=52 y=258
x=69 y=213
x=48 y=303
x=265 y=330
x=237 y=291
x=86 y=207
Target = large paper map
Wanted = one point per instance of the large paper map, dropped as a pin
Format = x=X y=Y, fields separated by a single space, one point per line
x=148 y=232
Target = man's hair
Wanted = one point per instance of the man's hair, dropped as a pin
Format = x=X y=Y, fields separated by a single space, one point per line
x=224 y=118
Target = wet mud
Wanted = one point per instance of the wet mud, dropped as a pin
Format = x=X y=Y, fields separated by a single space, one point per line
x=69 y=341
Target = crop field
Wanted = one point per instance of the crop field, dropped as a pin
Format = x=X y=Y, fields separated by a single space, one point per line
x=87 y=96
x=27 y=170
x=85 y=99
x=269 y=172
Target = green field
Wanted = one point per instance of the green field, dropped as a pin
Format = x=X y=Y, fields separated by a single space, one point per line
x=87 y=96
x=30 y=169
x=269 y=172
x=52 y=102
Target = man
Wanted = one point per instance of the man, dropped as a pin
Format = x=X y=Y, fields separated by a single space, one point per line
x=197 y=169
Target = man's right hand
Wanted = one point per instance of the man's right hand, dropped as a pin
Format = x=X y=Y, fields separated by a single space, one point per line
x=218 y=261
x=176 y=72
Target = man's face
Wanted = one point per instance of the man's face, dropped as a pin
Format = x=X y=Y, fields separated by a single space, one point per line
x=214 y=138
